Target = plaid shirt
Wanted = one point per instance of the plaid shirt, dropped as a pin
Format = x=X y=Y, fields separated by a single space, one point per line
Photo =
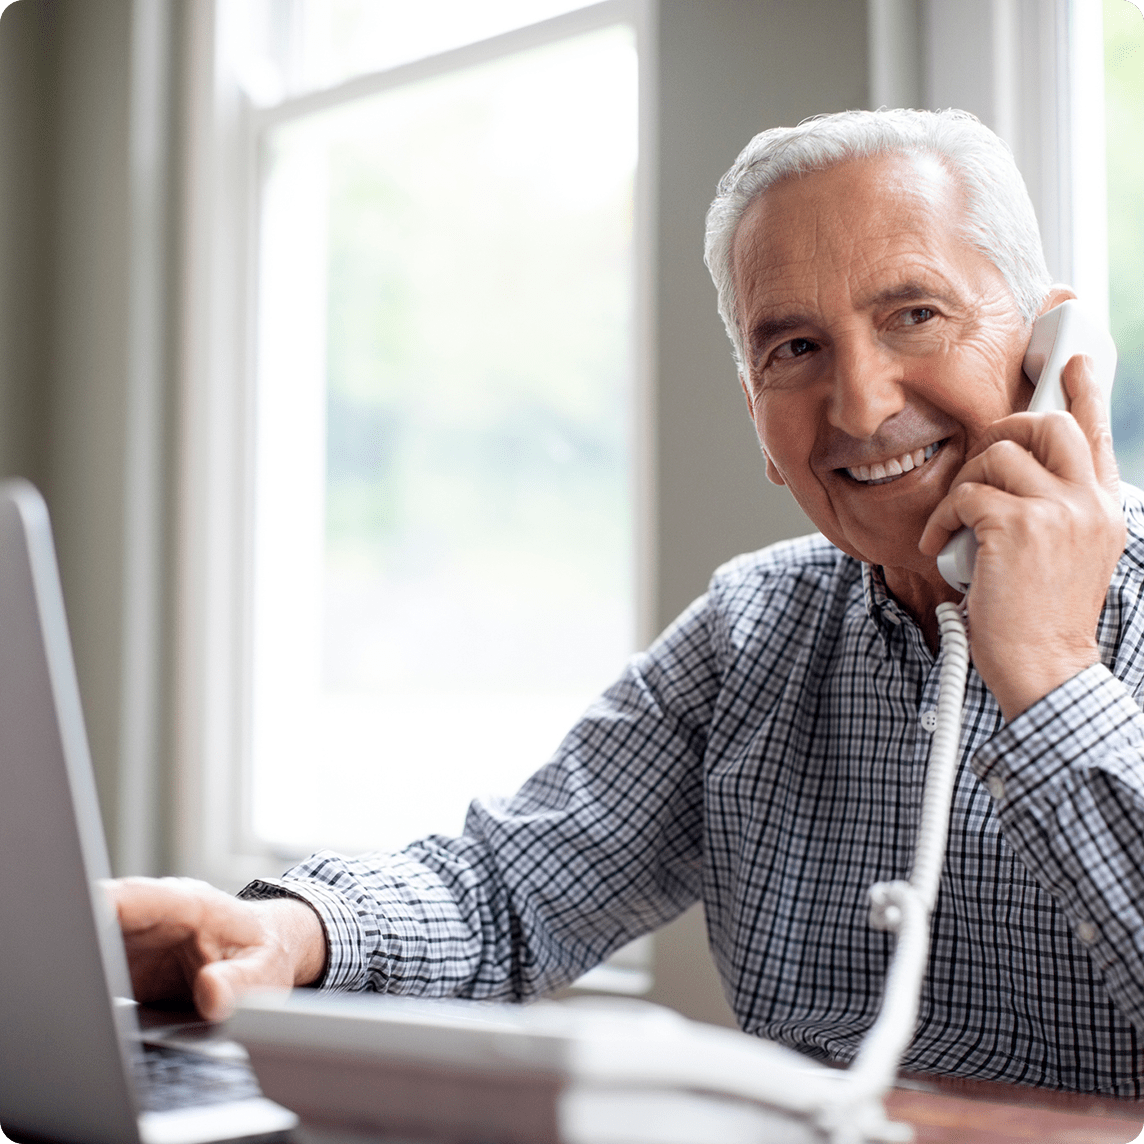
x=766 y=754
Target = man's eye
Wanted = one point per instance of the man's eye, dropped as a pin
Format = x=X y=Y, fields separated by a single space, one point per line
x=917 y=316
x=796 y=347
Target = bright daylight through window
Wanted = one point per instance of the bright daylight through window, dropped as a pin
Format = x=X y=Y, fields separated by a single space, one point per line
x=1124 y=112
x=442 y=508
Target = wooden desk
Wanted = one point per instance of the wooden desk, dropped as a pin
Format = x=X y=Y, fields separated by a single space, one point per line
x=946 y=1111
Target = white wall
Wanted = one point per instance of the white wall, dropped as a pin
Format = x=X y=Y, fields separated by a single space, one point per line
x=83 y=143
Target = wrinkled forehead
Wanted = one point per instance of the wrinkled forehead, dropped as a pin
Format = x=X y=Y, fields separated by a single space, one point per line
x=817 y=217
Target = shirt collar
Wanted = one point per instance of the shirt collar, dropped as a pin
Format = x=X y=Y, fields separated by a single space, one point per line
x=881 y=607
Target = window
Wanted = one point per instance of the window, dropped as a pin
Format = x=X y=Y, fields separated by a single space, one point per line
x=411 y=433
x=442 y=506
x=1124 y=125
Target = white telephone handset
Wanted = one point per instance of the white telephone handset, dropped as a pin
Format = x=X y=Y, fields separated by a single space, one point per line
x=1060 y=333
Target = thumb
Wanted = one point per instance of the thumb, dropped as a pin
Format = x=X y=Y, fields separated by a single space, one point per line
x=1087 y=405
x=220 y=985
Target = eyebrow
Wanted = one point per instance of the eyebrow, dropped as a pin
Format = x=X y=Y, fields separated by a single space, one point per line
x=770 y=328
x=908 y=291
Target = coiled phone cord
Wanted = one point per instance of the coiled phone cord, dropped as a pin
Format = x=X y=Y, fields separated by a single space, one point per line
x=904 y=907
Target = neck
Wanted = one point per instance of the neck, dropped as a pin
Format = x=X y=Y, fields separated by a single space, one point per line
x=920 y=596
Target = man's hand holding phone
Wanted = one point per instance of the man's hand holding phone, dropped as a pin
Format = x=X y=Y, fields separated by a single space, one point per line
x=1041 y=492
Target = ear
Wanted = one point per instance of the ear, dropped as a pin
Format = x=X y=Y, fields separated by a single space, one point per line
x=1057 y=294
x=747 y=394
x=773 y=475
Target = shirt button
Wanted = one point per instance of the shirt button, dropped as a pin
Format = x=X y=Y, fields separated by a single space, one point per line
x=929 y=720
x=1086 y=931
x=995 y=785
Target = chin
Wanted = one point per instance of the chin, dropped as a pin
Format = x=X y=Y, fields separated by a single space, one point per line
x=892 y=553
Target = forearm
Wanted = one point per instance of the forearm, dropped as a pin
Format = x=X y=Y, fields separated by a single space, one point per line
x=602 y=844
x=1067 y=781
x=460 y=918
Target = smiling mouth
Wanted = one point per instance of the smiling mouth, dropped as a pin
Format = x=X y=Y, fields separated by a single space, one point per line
x=883 y=472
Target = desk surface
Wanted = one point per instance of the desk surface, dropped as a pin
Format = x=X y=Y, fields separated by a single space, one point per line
x=957 y=1112
x=977 y=1112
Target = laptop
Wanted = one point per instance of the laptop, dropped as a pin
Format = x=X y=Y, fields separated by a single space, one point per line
x=76 y=1064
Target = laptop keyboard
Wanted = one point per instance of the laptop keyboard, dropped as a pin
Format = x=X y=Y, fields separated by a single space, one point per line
x=173 y=1078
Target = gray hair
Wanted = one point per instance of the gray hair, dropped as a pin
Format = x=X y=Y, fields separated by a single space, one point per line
x=999 y=218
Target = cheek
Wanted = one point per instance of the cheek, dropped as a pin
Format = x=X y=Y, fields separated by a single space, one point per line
x=785 y=430
x=977 y=385
x=991 y=371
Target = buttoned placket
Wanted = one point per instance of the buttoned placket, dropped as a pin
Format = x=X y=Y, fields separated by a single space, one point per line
x=904 y=642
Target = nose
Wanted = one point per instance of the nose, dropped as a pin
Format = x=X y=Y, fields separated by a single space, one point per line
x=867 y=386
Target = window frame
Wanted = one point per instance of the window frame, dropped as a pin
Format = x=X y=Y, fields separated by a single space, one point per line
x=1033 y=71
x=223 y=168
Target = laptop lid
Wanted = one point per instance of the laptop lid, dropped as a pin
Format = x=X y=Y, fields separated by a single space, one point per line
x=63 y=1066
x=70 y=1045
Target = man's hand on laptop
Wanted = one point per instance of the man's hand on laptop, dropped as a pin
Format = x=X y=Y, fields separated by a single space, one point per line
x=188 y=941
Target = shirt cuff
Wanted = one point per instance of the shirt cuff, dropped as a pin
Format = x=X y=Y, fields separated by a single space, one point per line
x=345 y=963
x=1084 y=722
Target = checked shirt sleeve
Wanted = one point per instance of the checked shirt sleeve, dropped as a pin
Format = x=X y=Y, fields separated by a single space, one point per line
x=604 y=843
x=1067 y=780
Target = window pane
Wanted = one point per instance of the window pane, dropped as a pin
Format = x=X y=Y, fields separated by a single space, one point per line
x=443 y=564
x=1124 y=93
x=290 y=47
x=351 y=37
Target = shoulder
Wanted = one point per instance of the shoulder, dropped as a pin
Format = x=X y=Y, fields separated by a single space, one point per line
x=811 y=560
x=798 y=581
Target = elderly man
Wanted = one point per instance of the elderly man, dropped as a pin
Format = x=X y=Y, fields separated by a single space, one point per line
x=878 y=274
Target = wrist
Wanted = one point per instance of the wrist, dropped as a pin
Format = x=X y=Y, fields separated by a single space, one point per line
x=1029 y=685
x=299 y=933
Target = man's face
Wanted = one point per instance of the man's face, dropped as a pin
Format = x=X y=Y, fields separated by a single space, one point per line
x=880 y=347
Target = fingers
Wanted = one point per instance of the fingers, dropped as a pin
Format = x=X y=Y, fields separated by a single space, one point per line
x=158 y=911
x=1088 y=406
x=146 y=903
x=1039 y=432
x=966 y=507
x=186 y=939
x=985 y=508
x=1025 y=454
x=1056 y=440
x=174 y=929
x=1035 y=455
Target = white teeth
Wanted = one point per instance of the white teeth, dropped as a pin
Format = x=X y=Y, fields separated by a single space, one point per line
x=887 y=470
